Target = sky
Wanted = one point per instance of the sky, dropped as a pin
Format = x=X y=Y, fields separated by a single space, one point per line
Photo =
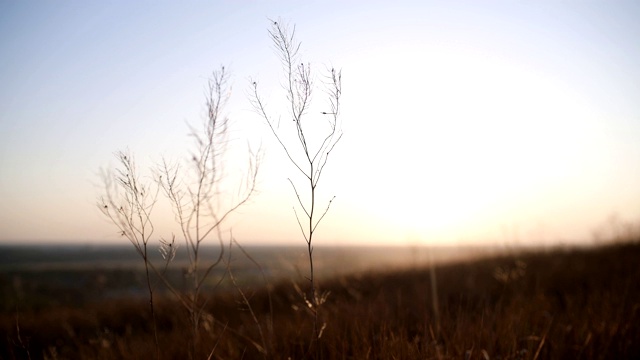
x=464 y=121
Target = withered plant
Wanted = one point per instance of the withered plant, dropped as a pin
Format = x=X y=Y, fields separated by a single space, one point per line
x=199 y=204
x=308 y=139
x=128 y=202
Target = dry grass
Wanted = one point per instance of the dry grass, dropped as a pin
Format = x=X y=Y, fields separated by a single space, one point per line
x=579 y=304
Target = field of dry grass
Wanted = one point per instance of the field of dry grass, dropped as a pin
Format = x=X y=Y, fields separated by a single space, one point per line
x=564 y=304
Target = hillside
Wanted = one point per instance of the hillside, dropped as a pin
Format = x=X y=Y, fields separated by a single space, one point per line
x=565 y=304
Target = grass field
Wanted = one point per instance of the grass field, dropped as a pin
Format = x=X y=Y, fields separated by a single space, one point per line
x=560 y=304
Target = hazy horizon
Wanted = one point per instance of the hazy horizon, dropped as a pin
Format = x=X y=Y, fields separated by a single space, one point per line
x=464 y=122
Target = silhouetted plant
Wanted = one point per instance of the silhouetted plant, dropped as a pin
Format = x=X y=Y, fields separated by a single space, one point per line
x=195 y=197
x=195 y=200
x=310 y=150
x=128 y=202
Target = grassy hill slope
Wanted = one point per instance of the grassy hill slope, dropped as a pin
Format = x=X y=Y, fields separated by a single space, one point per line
x=565 y=304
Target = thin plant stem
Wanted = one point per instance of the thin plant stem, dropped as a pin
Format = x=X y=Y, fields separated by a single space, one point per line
x=299 y=88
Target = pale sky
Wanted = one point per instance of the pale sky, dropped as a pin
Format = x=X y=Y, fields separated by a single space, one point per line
x=464 y=122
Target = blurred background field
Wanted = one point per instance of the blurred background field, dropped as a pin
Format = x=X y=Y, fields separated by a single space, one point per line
x=555 y=303
x=44 y=275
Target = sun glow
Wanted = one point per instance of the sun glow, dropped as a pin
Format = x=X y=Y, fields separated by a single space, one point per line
x=478 y=139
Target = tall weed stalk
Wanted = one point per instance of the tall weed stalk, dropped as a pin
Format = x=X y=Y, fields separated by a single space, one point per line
x=199 y=205
x=315 y=139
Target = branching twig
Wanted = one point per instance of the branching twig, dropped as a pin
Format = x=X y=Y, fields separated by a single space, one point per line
x=313 y=159
x=194 y=197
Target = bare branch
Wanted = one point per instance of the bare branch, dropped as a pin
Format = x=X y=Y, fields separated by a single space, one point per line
x=304 y=234
x=298 y=89
x=299 y=199
x=259 y=107
x=194 y=192
x=323 y=214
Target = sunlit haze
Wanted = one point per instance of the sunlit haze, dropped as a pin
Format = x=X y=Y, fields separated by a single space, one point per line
x=464 y=122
